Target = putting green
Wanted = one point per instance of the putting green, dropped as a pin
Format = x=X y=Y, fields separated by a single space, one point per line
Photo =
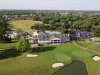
x=62 y=57
x=82 y=54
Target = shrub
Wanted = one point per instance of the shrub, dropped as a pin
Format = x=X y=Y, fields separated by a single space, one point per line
x=39 y=44
x=90 y=40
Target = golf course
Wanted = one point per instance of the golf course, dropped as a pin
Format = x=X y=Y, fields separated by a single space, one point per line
x=18 y=64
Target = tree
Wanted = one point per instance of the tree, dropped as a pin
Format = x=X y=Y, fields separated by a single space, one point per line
x=36 y=26
x=3 y=29
x=63 y=25
x=18 y=36
x=46 y=20
x=76 y=25
x=64 y=31
x=23 y=44
x=36 y=18
x=51 y=22
x=19 y=33
x=42 y=26
x=32 y=27
x=96 y=33
x=52 y=27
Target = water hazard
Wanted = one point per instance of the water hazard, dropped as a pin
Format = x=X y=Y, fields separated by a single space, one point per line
x=75 y=68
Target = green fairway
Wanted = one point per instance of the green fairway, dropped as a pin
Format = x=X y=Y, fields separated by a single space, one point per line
x=22 y=24
x=62 y=57
x=19 y=64
x=81 y=54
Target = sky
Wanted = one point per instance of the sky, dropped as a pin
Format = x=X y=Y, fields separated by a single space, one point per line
x=51 y=4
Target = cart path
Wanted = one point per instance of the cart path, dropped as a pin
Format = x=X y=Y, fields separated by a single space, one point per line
x=86 y=48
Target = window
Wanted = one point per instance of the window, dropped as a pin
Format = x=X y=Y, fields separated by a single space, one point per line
x=43 y=36
x=40 y=40
x=43 y=39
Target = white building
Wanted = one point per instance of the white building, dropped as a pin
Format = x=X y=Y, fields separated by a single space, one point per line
x=37 y=32
x=53 y=38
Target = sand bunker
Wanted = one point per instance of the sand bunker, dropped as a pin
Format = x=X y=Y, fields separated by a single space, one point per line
x=57 y=65
x=96 y=58
x=31 y=55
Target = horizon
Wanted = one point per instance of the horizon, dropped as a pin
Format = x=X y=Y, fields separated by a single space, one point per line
x=47 y=10
x=50 y=5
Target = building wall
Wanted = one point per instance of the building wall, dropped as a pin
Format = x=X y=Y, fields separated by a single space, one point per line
x=64 y=40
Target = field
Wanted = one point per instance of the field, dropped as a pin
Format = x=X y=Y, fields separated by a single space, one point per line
x=18 y=64
x=29 y=31
x=22 y=24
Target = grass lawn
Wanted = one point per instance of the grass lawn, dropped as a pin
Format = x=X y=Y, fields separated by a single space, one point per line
x=41 y=65
x=7 y=45
x=14 y=41
x=88 y=45
x=22 y=24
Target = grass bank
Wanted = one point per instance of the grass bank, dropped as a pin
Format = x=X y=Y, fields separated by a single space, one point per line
x=89 y=45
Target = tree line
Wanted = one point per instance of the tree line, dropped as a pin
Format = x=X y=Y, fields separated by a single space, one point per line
x=3 y=36
x=83 y=22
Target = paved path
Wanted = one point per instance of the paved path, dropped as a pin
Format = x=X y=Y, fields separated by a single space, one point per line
x=86 y=48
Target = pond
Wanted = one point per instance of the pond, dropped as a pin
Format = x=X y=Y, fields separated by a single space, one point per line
x=75 y=68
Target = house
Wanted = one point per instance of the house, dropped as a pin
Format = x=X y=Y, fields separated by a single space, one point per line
x=53 y=38
x=32 y=40
x=95 y=39
x=14 y=33
x=78 y=34
x=37 y=32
